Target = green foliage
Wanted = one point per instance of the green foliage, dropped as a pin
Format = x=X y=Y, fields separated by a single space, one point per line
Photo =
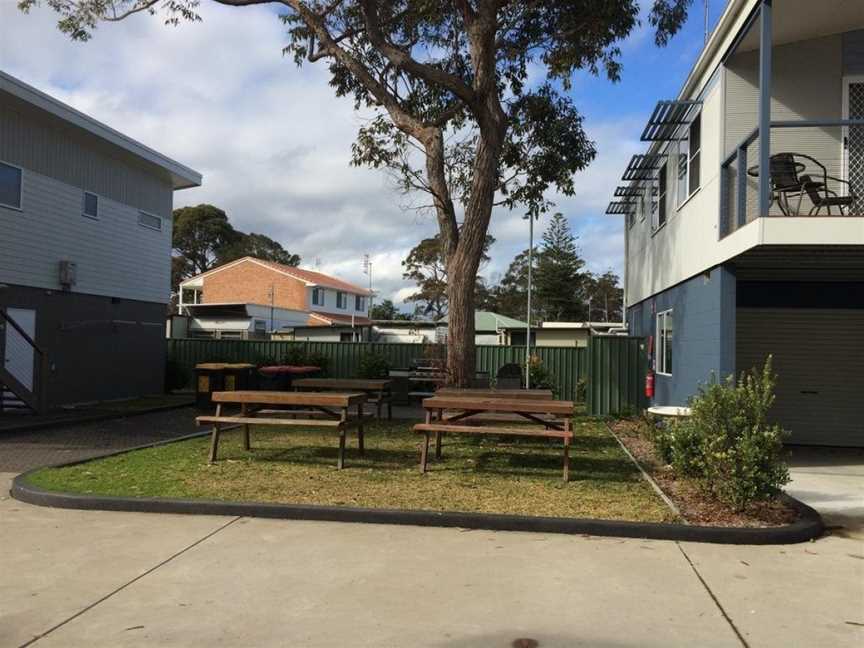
x=373 y=365
x=541 y=376
x=426 y=266
x=258 y=246
x=581 y=390
x=300 y=356
x=387 y=310
x=728 y=443
x=559 y=278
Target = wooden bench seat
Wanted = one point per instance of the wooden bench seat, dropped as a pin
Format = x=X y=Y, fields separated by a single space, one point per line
x=439 y=428
x=251 y=420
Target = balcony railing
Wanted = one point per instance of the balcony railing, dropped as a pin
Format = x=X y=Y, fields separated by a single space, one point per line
x=816 y=169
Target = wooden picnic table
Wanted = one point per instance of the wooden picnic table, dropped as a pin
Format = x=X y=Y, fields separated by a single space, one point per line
x=335 y=408
x=448 y=415
x=378 y=391
x=539 y=394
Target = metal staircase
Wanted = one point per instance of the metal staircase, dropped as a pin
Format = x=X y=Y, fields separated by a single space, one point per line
x=23 y=371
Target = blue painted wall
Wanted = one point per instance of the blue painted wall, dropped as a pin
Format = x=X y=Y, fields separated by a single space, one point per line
x=703 y=341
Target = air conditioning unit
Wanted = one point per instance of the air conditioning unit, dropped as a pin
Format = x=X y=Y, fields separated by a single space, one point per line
x=68 y=274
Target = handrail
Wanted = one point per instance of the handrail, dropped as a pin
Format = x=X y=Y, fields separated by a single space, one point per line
x=40 y=390
x=739 y=153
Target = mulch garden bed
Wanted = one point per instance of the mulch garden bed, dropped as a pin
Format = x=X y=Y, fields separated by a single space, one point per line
x=696 y=506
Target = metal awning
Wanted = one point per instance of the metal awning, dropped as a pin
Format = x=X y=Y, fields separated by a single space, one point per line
x=642 y=167
x=629 y=192
x=621 y=207
x=667 y=117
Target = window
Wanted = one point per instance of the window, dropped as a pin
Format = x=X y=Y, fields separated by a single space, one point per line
x=341 y=300
x=695 y=145
x=90 y=208
x=317 y=297
x=659 y=204
x=359 y=303
x=689 y=157
x=10 y=186
x=663 y=363
x=149 y=221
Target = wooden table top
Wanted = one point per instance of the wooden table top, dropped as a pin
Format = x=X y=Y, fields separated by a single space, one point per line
x=528 y=405
x=321 y=399
x=342 y=383
x=540 y=394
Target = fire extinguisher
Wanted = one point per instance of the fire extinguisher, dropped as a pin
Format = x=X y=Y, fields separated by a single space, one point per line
x=649 y=376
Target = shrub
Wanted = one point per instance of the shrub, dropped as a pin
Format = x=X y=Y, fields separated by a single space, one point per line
x=728 y=443
x=373 y=365
x=299 y=356
x=581 y=390
x=541 y=377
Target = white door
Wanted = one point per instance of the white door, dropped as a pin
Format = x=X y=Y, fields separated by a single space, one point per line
x=853 y=140
x=18 y=353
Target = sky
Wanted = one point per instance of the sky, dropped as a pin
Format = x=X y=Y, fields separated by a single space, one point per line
x=274 y=143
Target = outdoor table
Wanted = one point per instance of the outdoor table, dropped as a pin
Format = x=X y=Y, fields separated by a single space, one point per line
x=465 y=409
x=377 y=390
x=539 y=394
x=335 y=408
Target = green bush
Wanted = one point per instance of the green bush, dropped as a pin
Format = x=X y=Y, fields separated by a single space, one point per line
x=541 y=376
x=299 y=356
x=581 y=390
x=373 y=365
x=728 y=443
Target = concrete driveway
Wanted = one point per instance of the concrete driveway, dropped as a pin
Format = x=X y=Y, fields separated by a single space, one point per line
x=79 y=578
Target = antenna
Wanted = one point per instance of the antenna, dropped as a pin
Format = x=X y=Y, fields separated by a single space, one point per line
x=317 y=263
x=706 y=22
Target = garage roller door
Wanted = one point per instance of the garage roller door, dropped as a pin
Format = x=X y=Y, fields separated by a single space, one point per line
x=819 y=359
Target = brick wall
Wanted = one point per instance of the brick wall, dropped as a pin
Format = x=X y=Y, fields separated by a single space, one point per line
x=249 y=283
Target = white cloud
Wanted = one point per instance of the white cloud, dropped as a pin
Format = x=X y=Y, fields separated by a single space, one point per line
x=272 y=141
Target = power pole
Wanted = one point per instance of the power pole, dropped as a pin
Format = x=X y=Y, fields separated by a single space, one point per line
x=530 y=218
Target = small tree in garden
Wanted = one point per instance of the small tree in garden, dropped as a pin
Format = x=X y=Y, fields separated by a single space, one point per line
x=729 y=442
x=466 y=97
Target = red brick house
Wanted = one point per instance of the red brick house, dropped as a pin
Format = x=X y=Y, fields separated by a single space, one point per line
x=252 y=298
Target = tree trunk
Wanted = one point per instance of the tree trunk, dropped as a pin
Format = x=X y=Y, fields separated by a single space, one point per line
x=461 y=353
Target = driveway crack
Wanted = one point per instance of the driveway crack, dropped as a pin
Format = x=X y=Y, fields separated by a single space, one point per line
x=127 y=584
x=714 y=598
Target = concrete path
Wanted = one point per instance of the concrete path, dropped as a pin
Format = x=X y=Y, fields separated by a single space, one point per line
x=79 y=578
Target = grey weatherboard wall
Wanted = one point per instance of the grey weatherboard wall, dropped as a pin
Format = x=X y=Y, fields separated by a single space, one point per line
x=703 y=341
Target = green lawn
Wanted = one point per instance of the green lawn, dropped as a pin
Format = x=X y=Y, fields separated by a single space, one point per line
x=298 y=466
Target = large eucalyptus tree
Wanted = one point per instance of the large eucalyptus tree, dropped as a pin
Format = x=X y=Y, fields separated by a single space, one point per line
x=469 y=98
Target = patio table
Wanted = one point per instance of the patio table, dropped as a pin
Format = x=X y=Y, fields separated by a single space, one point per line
x=464 y=415
x=335 y=408
x=378 y=391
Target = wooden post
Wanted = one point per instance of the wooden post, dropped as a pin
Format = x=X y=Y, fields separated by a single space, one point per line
x=424 y=452
x=360 y=427
x=214 y=438
x=438 y=437
x=340 y=461
x=244 y=411
x=380 y=402
x=389 y=404
x=568 y=427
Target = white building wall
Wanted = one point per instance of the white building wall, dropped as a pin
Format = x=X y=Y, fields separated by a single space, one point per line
x=330 y=303
x=116 y=256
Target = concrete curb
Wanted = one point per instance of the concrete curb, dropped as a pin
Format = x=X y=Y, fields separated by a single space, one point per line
x=808 y=527
x=96 y=418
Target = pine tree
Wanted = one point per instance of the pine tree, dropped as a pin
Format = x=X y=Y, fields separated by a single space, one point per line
x=559 y=281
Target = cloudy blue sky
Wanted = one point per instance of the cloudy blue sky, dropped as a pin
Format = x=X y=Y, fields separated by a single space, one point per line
x=274 y=144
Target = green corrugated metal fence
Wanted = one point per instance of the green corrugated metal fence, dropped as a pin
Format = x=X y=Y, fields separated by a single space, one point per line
x=616 y=375
x=568 y=364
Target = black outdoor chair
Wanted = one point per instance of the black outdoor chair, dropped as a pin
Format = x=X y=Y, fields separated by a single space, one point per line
x=819 y=193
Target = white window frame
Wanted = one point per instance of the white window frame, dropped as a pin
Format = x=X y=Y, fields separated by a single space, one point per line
x=686 y=150
x=84 y=204
x=317 y=292
x=141 y=212
x=660 y=361
x=341 y=300
x=20 y=206
x=660 y=205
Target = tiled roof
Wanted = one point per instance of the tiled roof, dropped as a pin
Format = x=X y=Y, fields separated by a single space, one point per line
x=329 y=319
x=316 y=278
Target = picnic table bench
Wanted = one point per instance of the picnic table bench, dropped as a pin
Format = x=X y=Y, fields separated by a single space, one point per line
x=378 y=391
x=539 y=394
x=448 y=415
x=255 y=403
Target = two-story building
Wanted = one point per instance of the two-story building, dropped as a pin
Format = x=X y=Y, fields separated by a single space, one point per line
x=744 y=216
x=251 y=298
x=85 y=254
